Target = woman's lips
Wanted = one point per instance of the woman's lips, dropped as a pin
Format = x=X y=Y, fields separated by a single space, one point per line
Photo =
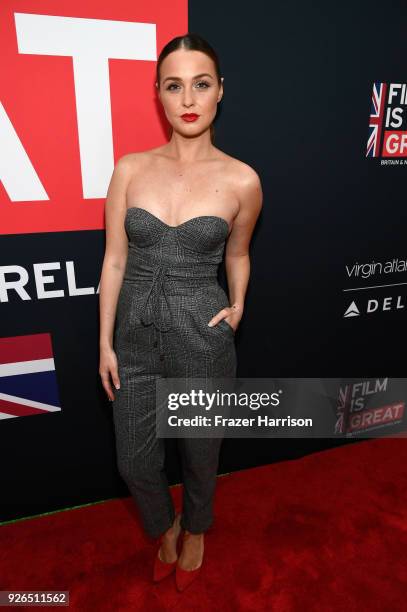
x=189 y=117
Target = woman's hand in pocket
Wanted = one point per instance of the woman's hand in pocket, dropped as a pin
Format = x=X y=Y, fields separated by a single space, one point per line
x=231 y=314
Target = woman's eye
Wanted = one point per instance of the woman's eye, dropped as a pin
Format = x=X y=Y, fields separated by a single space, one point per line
x=175 y=86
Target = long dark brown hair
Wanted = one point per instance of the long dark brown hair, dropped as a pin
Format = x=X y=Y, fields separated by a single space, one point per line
x=191 y=42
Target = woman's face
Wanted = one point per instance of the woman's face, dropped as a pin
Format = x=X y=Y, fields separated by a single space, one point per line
x=188 y=84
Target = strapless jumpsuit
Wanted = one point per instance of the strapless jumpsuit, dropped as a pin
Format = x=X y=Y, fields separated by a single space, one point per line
x=169 y=293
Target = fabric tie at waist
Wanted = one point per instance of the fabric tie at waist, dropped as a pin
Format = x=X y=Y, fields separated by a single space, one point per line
x=152 y=312
x=156 y=307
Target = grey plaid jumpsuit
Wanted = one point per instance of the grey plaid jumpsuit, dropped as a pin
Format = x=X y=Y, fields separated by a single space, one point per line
x=168 y=295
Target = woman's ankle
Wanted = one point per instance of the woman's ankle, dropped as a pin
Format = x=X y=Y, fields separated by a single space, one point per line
x=188 y=534
x=171 y=531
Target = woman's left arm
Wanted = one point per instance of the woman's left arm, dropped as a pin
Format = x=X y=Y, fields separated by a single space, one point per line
x=237 y=259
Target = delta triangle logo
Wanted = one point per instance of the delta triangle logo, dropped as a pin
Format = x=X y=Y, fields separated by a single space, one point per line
x=352 y=311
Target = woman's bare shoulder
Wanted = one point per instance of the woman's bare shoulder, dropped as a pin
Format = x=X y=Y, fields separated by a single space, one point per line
x=246 y=185
x=132 y=161
x=240 y=173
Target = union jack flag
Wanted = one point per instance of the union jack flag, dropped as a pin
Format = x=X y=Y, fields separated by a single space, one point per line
x=28 y=382
x=376 y=118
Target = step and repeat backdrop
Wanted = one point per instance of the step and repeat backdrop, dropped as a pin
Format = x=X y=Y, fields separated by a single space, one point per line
x=315 y=100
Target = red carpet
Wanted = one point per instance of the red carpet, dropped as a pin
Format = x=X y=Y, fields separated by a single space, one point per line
x=327 y=532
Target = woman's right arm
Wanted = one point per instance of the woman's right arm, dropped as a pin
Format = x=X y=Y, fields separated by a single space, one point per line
x=114 y=264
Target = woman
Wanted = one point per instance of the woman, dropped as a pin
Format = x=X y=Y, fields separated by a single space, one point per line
x=169 y=213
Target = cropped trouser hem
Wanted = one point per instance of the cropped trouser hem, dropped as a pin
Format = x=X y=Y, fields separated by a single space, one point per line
x=158 y=529
x=195 y=528
x=155 y=529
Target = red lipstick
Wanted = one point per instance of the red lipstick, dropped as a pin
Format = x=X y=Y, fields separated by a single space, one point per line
x=189 y=117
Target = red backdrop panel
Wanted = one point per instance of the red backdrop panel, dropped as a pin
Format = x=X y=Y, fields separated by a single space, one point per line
x=46 y=181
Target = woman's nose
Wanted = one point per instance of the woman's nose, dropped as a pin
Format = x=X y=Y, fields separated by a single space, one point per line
x=188 y=97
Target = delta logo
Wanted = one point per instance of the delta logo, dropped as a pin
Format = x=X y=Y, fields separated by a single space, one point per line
x=387 y=136
x=374 y=305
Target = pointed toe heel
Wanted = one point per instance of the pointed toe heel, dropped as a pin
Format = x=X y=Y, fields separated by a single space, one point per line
x=162 y=569
x=183 y=578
